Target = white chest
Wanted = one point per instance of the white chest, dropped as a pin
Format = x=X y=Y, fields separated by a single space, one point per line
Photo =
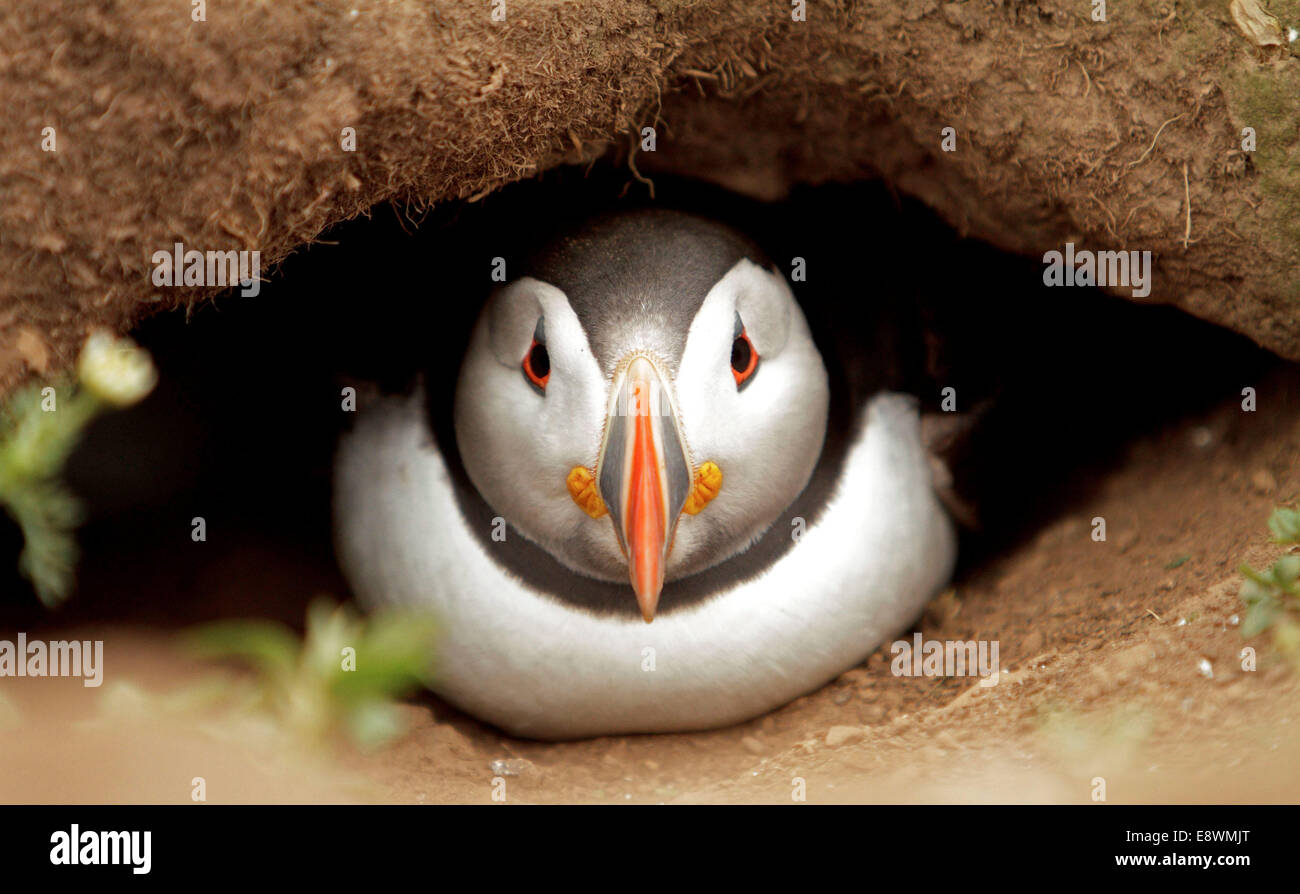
x=536 y=666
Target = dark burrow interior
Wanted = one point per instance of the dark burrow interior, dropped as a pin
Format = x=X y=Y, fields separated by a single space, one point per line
x=242 y=426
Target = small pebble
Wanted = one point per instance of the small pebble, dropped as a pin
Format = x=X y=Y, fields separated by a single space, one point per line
x=1206 y=669
x=1263 y=481
x=514 y=766
x=840 y=735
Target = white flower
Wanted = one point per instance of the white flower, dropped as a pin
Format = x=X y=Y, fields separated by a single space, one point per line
x=116 y=370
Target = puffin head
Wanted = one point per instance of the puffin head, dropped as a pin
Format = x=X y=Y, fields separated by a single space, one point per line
x=644 y=401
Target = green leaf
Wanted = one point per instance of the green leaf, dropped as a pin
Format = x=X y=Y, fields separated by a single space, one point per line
x=1285 y=525
x=1251 y=574
x=35 y=441
x=1286 y=570
x=1255 y=589
x=330 y=629
x=267 y=646
x=305 y=681
x=393 y=658
x=374 y=722
x=48 y=514
x=1286 y=637
x=1259 y=617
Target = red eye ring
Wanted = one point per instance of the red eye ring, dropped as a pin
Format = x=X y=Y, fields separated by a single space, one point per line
x=744 y=358
x=537 y=365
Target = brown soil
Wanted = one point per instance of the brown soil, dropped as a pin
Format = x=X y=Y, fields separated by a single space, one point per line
x=1101 y=645
x=228 y=134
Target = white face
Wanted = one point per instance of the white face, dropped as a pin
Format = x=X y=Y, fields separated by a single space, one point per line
x=762 y=423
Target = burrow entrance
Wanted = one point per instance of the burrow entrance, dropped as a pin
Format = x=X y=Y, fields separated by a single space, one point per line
x=1088 y=404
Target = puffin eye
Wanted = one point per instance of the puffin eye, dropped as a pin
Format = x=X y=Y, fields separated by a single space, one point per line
x=744 y=359
x=537 y=366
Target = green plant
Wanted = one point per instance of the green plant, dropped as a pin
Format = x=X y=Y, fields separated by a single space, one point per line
x=39 y=427
x=1272 y=597
x=344 y=675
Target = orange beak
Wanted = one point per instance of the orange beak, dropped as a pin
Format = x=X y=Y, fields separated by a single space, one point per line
x=644 y=475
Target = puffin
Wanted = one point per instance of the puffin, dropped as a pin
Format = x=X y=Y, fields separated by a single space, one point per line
x=643 y=507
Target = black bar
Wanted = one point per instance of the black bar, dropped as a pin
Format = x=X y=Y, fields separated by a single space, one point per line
x=871 y=844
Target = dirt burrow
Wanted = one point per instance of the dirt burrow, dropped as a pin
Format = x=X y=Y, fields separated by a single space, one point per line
x=225 y=135
x=1120 y=661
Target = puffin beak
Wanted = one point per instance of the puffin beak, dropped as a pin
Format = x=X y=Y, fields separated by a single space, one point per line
x=644 y=474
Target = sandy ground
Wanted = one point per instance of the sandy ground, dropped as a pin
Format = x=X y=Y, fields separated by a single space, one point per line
x=1104 y=677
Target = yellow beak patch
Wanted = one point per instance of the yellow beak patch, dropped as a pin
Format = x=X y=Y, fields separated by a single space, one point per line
x=708 y=481
x=582 y=488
